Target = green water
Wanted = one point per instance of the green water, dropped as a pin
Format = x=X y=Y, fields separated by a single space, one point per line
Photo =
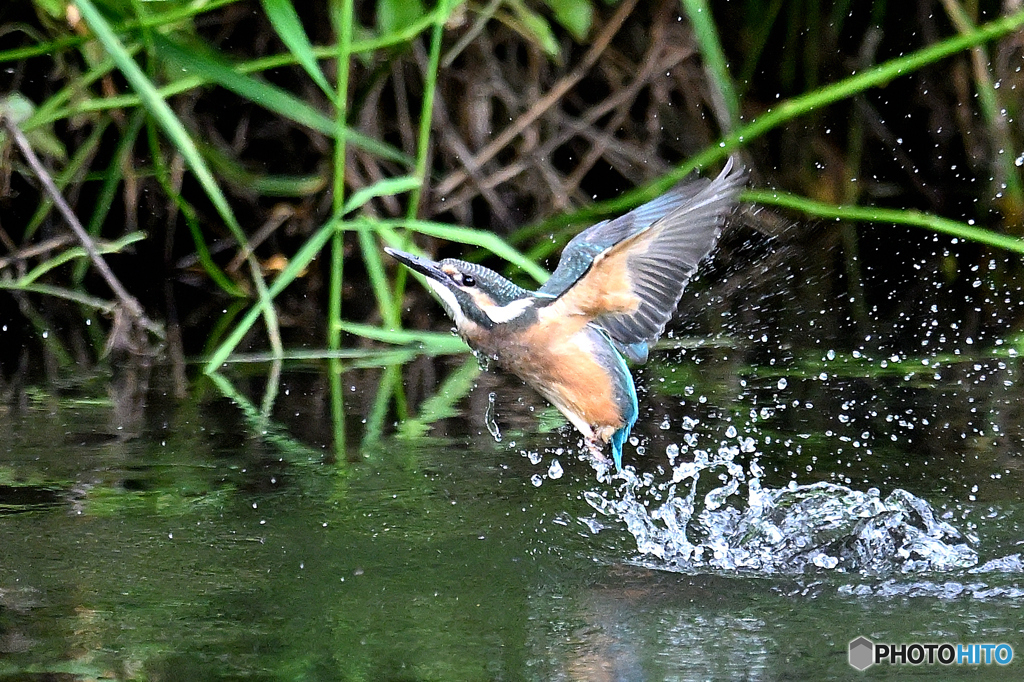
x=203 y=547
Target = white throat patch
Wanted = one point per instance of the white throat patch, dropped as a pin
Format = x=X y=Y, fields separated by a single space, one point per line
x=507 y=312
x=497 y=314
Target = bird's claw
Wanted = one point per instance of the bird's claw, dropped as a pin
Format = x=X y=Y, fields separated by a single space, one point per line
x=595 y=455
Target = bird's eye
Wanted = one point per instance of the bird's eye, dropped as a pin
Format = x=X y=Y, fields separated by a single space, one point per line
x=468 y=281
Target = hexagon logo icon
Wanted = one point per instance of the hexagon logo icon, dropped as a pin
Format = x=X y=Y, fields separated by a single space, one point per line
x=862 y=653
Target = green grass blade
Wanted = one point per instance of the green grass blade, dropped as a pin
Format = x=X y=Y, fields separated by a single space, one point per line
x=465 y=235
x=444 y=9
x=775 y=117
x=343 y=16
x=704 y=30
x=887 y=215
x=111 y=180
x=299 y=262
x=430 y=342
x=441 y=405
x=286 y=23
x=404 y=34
x=427 y=107
x=358 y=358
x=104 y=306
x=197 y=60
x=75 y=252
x=57 y=46
x=209 y=67
x=385 y=187
x=174 y=129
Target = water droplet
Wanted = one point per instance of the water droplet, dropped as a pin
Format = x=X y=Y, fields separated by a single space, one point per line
x=492 y=425
x=555 y=470
x=825 y=561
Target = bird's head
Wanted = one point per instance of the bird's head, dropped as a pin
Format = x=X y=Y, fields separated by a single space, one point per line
x=471 y=294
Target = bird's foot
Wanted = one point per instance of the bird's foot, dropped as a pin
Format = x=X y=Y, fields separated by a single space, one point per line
x=596 y=449
x=594 y=455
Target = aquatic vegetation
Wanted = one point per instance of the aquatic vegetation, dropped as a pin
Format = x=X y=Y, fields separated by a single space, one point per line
x=165 y=56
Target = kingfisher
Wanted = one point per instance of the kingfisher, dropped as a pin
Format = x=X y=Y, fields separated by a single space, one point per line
x=616 y=286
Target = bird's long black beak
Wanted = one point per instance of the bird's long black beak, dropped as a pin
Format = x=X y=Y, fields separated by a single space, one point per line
x=424 y=266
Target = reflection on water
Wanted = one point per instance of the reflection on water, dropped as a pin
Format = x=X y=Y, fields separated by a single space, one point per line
x=195 y=550
x=789 y=490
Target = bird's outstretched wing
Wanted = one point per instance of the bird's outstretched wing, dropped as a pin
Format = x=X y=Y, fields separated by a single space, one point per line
x=628 y=274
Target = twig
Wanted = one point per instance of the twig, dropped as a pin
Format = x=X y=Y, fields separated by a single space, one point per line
x=569 y=128
x=33 y=250
x=461 y=151
x=544 y=103
x=605 y=140
x=278 y=215
x=128 y=302
x=469 y=36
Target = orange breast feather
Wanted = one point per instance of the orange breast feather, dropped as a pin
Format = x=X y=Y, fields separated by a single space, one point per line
x=557 y=360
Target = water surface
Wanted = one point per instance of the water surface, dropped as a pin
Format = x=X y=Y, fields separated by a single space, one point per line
x=203 y=546
x=811 y=465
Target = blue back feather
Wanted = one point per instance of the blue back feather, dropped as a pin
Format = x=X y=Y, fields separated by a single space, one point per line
x=624 y=393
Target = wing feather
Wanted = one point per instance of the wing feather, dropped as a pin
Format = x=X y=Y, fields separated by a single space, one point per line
x=631 y=287
x=581 y=251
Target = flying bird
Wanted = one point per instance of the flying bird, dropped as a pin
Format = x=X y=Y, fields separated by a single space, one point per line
x=616 y=286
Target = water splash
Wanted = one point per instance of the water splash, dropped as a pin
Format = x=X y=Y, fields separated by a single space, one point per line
x=489 y=419
x=737 y=524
